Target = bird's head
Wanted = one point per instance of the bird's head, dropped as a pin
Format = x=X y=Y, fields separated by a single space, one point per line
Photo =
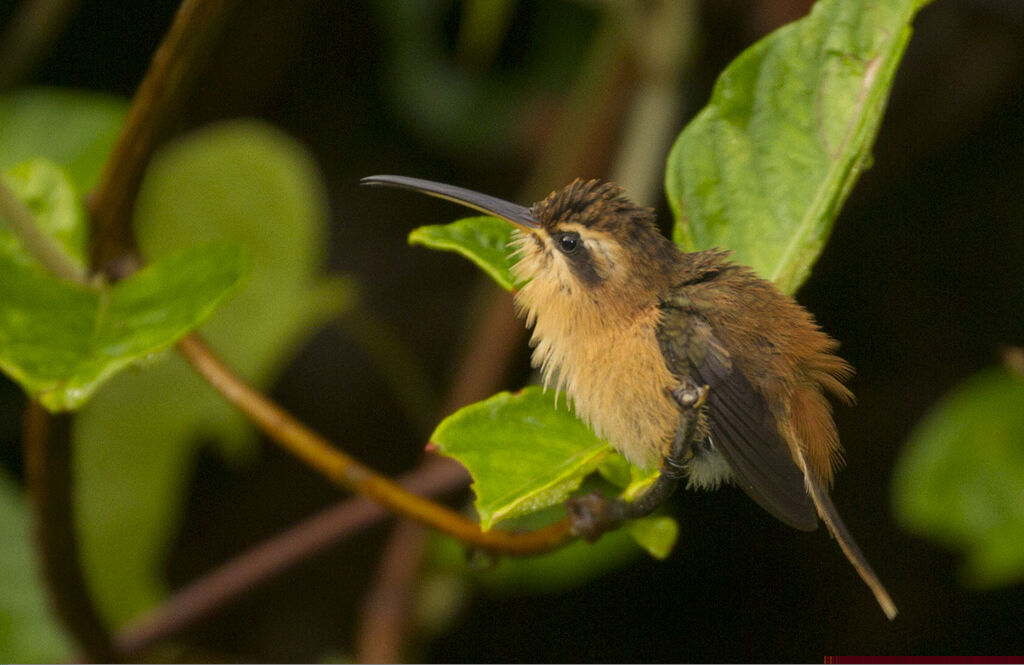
x=585 y=243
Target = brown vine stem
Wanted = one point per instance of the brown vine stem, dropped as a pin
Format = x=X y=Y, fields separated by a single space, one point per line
x=496 y=339
x=156 y=105
x=47 y=441
x=385 y=616
x=344 y=470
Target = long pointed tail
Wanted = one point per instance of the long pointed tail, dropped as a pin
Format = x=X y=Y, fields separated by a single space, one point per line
x=829 y=514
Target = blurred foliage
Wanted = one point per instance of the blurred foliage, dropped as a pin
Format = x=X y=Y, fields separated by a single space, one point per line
x=565 y=568
x=29 y=632
x=73 y=128
x=960 y=478
x=241 y=182
x=447 y=96
x=45 y=189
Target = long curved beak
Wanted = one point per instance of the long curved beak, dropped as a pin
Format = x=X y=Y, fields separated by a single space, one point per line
x=489 y=205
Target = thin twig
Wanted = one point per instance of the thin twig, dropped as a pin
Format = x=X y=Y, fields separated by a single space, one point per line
x=385 y=615
x=166 y=86
x=48 y=469
x=217 y=588
x=344 y=470
x=43 y=247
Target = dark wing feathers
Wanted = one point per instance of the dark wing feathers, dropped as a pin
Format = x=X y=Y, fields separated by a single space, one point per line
x=741 y=426
x=743 y=430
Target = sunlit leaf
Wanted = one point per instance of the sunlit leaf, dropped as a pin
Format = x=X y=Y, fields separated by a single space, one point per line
x=523 y=455
x=765 y=167
x=60 y=340
x=482 y=240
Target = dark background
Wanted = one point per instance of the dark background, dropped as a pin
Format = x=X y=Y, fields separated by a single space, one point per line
x=922 y=281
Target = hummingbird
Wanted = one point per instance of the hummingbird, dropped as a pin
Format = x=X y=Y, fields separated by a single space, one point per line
x=683 y=361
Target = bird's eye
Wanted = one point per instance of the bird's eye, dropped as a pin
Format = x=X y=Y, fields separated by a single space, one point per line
x=568 y=242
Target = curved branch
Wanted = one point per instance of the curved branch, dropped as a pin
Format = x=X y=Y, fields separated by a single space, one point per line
x=156 y=105
x=344 y=470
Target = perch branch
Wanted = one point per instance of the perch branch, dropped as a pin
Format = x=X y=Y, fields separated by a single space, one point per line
x=344 y=470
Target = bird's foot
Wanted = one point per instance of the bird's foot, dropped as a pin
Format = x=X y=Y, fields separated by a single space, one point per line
x=591 y=515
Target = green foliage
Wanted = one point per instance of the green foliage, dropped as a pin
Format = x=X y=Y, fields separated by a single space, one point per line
x=961 y=476
x=60 y=340
x=241 y=182
x=763 y=171
x=765 y=167
x=523 y=454
x=28 y=633
x=73 y=128
x=482 y=240
x=47 y=191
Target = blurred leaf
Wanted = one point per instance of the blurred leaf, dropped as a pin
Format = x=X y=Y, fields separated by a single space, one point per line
x=51 y=197
x=242 y=182
x=484 y=24
x=76 y=129
x=522 y=454
x=29 y=633
x=765 y=167
x=482 y=240
x=960 y=478
x=469 y=108
x=655 y=533
x=60 y=340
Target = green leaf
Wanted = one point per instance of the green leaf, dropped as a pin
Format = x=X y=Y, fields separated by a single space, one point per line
x=29 y=633
x=60 y=341
x=482 y=240
x=656 y=533
x=48 y=193
x=73 y=128
x=765 y=167
x=523 y=455
x=241 y=182
x=960 y=477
